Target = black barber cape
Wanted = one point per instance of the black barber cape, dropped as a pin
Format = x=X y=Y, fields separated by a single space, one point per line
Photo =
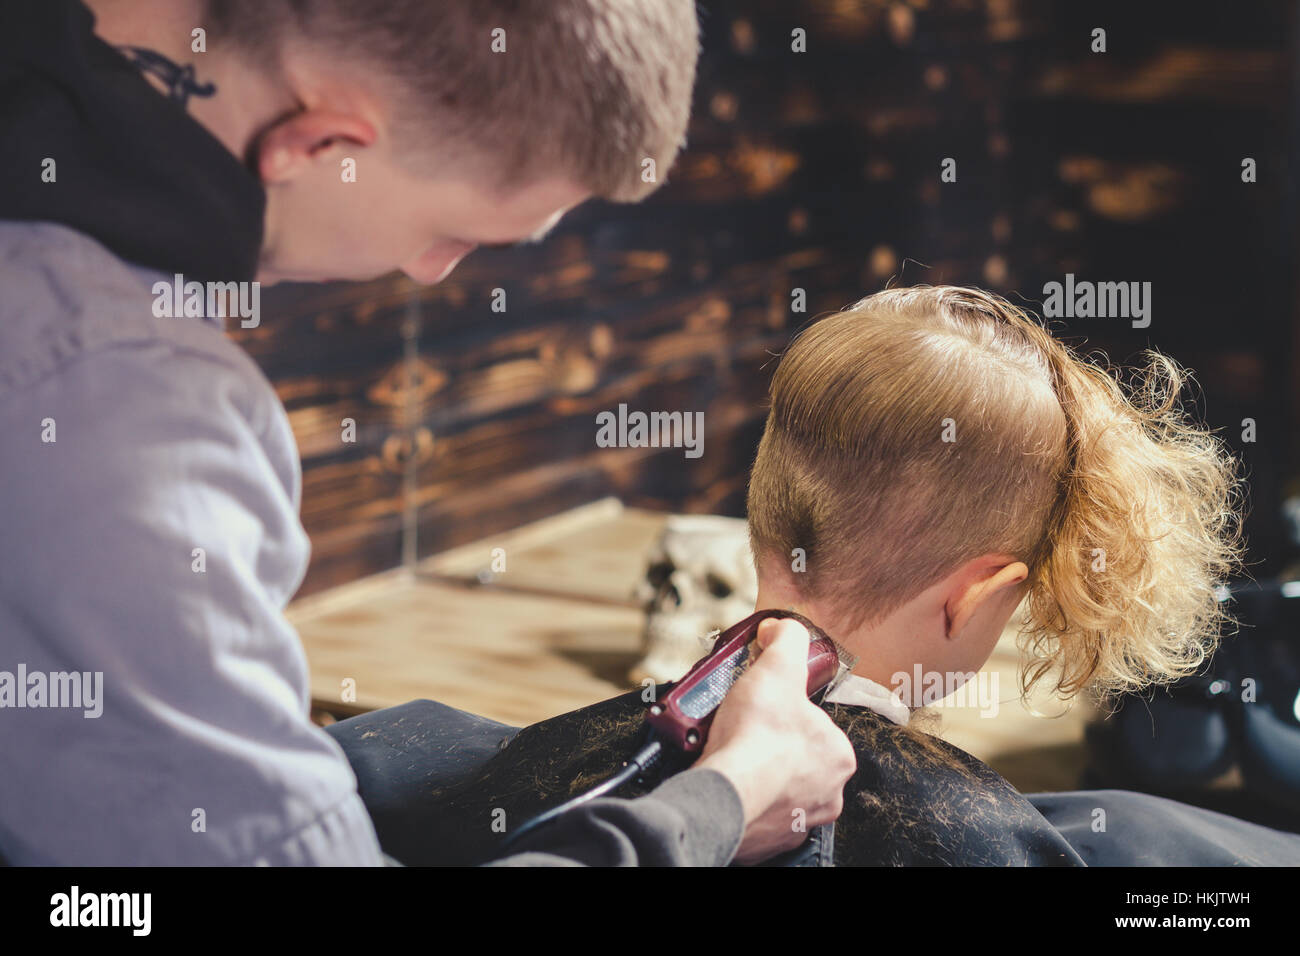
x=434 y=778
x=914 y=799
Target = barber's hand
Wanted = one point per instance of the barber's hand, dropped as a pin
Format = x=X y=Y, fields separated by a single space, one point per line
x=780 y=751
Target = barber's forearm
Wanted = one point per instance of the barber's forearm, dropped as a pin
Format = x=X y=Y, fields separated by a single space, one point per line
x=692 y=819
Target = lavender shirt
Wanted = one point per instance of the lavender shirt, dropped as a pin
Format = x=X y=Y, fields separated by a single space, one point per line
x=167 y=438
x=153 y=697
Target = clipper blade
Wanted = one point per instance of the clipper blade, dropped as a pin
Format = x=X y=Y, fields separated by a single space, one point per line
x=848 y=661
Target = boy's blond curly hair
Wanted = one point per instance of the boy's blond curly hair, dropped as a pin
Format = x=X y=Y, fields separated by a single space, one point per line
x=923 y=427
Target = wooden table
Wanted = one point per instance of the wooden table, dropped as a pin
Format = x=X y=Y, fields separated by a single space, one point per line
x=559 y=629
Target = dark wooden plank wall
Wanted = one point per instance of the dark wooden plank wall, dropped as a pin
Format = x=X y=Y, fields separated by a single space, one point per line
x=818 y=171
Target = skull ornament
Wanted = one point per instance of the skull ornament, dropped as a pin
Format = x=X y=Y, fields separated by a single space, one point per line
x=699 y=580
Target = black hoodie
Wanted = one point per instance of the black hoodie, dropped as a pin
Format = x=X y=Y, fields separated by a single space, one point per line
x=131 y=169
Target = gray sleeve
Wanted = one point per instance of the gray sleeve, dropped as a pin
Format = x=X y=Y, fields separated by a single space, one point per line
x=151 y=547
x=693 y=819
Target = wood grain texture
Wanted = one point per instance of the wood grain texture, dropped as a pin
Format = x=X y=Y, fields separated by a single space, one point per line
x=594 y=553
x=516 y=658
x=820 y=171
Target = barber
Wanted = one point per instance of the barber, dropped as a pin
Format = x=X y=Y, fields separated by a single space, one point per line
x=152 y=482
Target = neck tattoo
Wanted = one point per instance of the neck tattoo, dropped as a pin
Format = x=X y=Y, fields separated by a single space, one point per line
x=180 y=81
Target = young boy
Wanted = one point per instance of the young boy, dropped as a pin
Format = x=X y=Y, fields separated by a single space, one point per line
x=933 y=457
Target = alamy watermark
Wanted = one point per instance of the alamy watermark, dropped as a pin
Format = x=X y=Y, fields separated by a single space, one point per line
x=978 y=690
x=75 y=908
x=82 y=690
x=179 y=299
x=1082 y=299
x=626 y=429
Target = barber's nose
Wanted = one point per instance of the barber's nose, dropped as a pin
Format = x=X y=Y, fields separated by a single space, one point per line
x=436 y=264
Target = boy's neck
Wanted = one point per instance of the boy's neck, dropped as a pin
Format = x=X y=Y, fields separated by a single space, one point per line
x=875 y=646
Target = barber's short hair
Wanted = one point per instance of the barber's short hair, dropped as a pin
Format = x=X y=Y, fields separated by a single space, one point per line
x=585 y=89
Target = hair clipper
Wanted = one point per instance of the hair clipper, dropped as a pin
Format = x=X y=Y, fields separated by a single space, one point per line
x=680 y=720
x=683 y=716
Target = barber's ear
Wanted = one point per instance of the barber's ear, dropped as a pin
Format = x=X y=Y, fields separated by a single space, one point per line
x=978 y=583
x=290 y=146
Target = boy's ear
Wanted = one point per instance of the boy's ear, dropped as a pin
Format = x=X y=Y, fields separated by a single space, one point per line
x=289 y=146
x=978 y=583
